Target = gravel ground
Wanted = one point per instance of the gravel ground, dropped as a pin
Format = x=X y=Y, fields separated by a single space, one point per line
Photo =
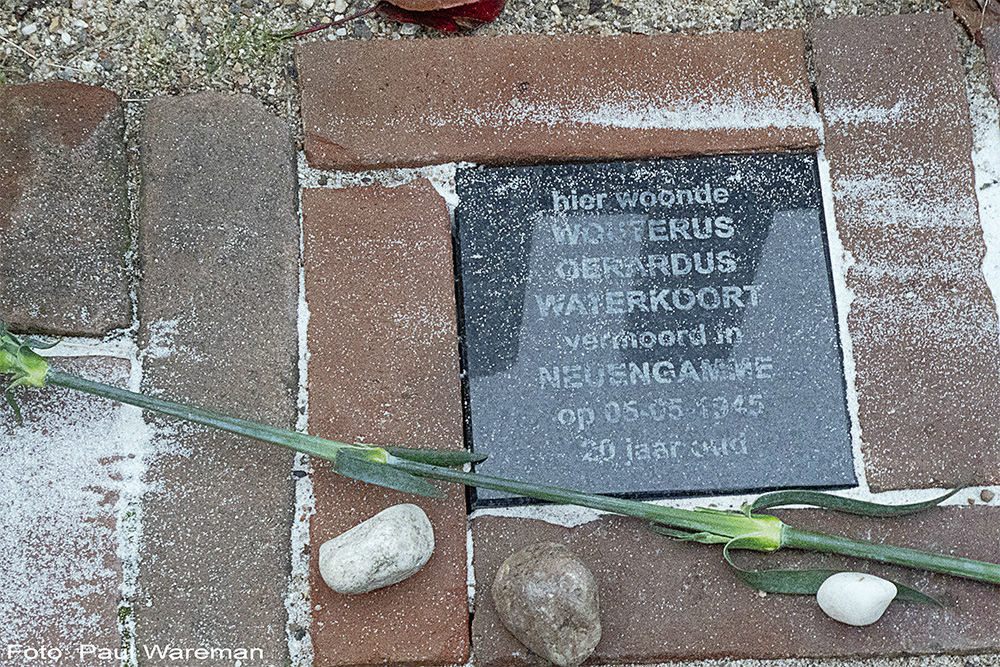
x=142 y=48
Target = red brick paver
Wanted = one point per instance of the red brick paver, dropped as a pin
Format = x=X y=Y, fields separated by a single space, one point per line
x=922 y=322
x=991 y=44
x=217 y=313
x=544 y=98
x=384 y=369
x=663 y=601
x=63 y=209
x=62 y=474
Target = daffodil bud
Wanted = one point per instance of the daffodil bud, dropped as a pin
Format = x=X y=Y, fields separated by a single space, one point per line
x=17 y=358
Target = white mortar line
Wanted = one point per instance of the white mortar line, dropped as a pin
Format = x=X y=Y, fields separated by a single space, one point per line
x=131 y=512
x=298 y=600
x=985 y=114
x=570 y=516
x=840 y=261
x=121 y=347
x=441 y=176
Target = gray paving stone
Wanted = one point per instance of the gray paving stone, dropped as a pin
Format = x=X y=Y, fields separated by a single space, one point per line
x=63 y=209
x=217 y=310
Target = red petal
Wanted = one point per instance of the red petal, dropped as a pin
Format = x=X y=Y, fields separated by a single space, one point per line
x=452 y=19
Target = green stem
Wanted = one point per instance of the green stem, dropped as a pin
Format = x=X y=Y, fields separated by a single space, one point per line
x=731 y=524
x=794 y=538
x=725 y=523
x=772 y=533
x=301 y=442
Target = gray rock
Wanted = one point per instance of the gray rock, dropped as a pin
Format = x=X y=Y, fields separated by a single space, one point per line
x=547 y=598
x=378 y=552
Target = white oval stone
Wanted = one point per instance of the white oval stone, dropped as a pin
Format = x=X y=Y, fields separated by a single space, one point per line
x=380 y=551
x=855 y=598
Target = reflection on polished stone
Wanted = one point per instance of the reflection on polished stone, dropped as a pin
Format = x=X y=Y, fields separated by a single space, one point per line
x=652 y=327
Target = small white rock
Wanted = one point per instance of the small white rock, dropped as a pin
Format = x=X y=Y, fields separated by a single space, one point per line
x=307 y=4
x=855 y=598
x=381 y=551
x=29 y=29
x=340 y=6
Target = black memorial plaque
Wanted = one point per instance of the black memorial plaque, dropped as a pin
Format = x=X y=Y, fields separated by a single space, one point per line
x=649 y=328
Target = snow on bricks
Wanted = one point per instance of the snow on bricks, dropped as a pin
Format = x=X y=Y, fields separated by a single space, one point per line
x=218 y=303
x=384 y=369
x=922 y=321
x=524 y=99
x=64 y=474
x=63 y=209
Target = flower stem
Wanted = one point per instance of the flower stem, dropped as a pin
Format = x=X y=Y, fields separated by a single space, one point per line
x=794 y=538
x=727 y=523
x=323 y=26
x=757 y=531
x=308 y=444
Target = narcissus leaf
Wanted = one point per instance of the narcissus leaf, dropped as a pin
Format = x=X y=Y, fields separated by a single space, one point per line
x=351 y=465
x=804 y=582
x=436 y=457
x=841 y=504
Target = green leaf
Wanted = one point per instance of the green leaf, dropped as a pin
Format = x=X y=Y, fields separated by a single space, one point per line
x=841 y=504
x=350 y=465
x=36 y=344
x=688 y=536
x=806 y=582
x=436 y=457
x=12 y=402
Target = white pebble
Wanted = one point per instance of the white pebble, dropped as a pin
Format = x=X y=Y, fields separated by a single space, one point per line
x=29 y=29
x=381 y=551
x=307 y=4
x=181 y=22
x=66 y=39
x=855 y=598
x=340 y=6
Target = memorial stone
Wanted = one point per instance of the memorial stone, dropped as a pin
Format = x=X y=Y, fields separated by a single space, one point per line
x=652 y=328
